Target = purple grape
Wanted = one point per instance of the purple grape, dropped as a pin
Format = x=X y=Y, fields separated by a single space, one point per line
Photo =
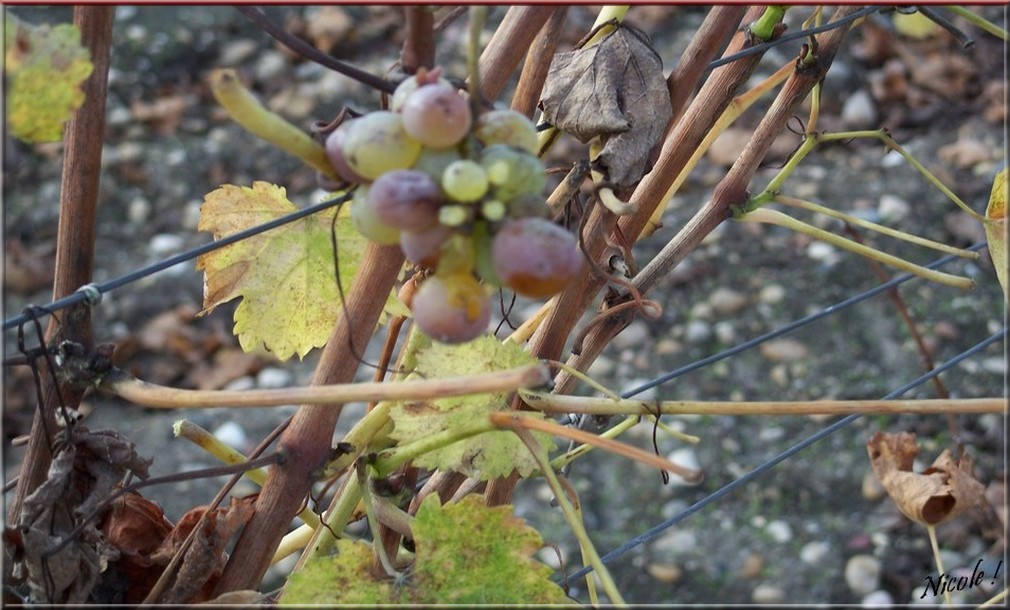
x=406 y=199
x=535 y=257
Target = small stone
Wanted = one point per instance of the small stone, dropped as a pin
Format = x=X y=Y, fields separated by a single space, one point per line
x=725 y=332
x=893 y=208
x=862 y=574
x=783 y=350
x=752 y=566
x=697 y=331
x=164 y=244
x=632 y=384
x=688 y=458
x=666 y=347
x=633 y=336
x=676 y=542
x=726 y=301
x=767 y=594
x=859 y=111
x=270 y=65
x=236 y=51
x=823 y=253
x=231 y=434
x=877 y=598
x=772 y=294
x=665 y=573
x=601 y=367
x=814 y=552
x=726 y=148
x=139 y=210
x=892 y=159
x=779 y=375
x=965 y=153
x=770 y=434
x=242 y=383
x=779 y=531
x=273 y=377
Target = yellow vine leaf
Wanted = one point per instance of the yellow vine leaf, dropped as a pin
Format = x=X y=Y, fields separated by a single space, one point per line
x=466 y=553
x=996 y=228
x=486 y=455
x=914 y=25
x=44 y=68
x=284 y=276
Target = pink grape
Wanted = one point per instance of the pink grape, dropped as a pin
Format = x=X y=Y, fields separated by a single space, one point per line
x=453 y=308
x=335 y=153
x=436 y=116
x=424 y=248
x=406 y=199
x=535 y=257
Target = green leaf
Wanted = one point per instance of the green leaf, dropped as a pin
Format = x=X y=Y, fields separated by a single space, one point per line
x=996 y=228
x=484 y=456
x=45 y=67
x=466 y=553
x=285 y=276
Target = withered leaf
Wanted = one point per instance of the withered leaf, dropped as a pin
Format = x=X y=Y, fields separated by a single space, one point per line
x=615 y=90
x=941 y=492
x=81 y=477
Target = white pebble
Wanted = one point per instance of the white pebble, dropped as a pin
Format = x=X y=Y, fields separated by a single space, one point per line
x=726 y=301
x=633 y=336
x=779 y=531
x=697 y=331
x=877 y=598
x=892 y=159
x=814 y=552
x=859 y=111
x=273 y=377
x=688 y=458
x=231 y=434
x=164 y=244
x=772 y=293
x=893 y=208
x=862 y=574
x=138 y=211
x=725 y=332
x=823 y=252
x=767 y=594
x=242 y=383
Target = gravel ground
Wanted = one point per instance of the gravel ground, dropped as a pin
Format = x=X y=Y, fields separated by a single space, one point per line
x=814 y=529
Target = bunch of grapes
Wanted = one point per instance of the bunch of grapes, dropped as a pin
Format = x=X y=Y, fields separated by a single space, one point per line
x=462 y=197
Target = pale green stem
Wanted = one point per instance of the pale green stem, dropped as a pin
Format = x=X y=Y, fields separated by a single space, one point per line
x=540 y=455
x=939 y=561
x=390 y=459
x=554 y=403
x=373 y=526
x=613 y=432
x=977 y=21
x=878 y=228
x=229 y=455
x=775 y=217
x=337 y=518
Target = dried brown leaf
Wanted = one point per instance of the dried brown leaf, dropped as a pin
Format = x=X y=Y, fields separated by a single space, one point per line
x=941 y=492
x=204 y=559
x=615 y=90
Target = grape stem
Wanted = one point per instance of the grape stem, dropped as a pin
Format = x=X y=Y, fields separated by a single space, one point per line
x=254 y=117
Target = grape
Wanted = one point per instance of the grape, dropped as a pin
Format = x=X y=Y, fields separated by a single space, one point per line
x=424 y=248
x=406 y=199
x=464 y=181
x=455 y=215
x=377 y=143
x=410 y=85
x=368 y=224
x=535 y=257
x=433 y=161
x=526 y=205
x=512 y=172
x=481 y=243
x=507 y=127
x=452 y=308
x=335 y=153
x=436 y=116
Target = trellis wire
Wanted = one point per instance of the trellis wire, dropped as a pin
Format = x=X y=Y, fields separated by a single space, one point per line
x=92 y=293
x=781 y=457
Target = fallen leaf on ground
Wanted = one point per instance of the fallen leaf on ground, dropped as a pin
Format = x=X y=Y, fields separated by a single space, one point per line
x=996 y=228
x=941 y=492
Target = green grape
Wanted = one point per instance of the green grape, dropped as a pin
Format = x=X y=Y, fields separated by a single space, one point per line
x=377 y=143
x=512 y=172
x=464 y=181
x=436 y=116
x=451 y=308
x=367 y=223
x=507 y=127
x=482 y=240
x=454 y=215
x=493 y=210
x=433 y=161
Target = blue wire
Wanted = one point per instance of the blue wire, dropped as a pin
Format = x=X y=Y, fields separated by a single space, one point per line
x=768 y=465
